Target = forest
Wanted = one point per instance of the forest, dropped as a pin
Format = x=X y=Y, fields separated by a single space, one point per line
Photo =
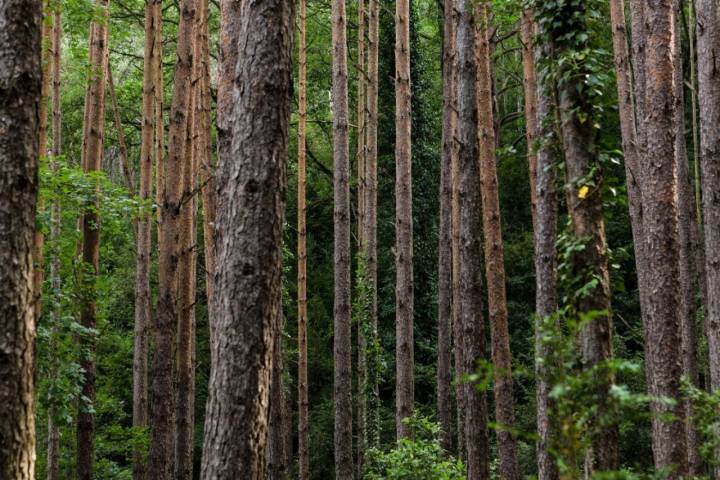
x=364 y=239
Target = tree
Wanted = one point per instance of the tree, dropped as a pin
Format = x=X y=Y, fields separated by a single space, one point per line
x=527 y=37
x=494 y=254
x=341 y=217
x=278 y=468
x=251 y=185
x=474 y=402
x=404 y=343
x=445 y=293
x=92 y=153
x=20 y=91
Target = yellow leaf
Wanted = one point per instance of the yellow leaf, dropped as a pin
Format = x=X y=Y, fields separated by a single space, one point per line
x=582 y=193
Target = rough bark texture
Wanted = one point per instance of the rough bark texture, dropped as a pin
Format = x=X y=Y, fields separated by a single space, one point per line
x=276 y=455
x=370 y=227
x=163 y=412
x=660 y=233
x=144 y=233
x=341 y=162
x=20 y=79
x=251 y=185
x=445 y=294
x=471 y=268
x=545 y=269
x=303 y=402
x=494 y=255
x=90 y=224
x=708 y=50
x=404 y=343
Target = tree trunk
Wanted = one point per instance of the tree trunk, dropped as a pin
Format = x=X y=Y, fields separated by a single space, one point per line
x=370 y=227
x=342 y=348
x=494 y=256
x=276 y=455
x=708 y=46
x=122 y=146
x=660 y=232
x=445 y=294
x=584 y=194
x=546 y=296
x=404 y=343
x=20 y=89
x=144 y=226
x=162 y=450
x=530 y=90
x=90 y=224
x=303 y=402
x=475 y=406
x=251 y=183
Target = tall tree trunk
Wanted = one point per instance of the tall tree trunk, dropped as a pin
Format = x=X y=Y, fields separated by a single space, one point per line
x=122 y=145
x=660 y=232
x=545 y=268
x=20 y=89
x=92 y=154
x=494 y=255
x=584 y=194
x=144 y=226
x=276 y=455
x=53 y=449
x=404 y=343
x=342 y=348
x=251 y=185
x=445 y=293
x=303 y=402
x=527 y=37
x=370 y=227
x=159 y=121
x=163 y=412
x=471 y=269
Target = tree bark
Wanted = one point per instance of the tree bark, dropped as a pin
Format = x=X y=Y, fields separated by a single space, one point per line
x=660 y=232
x=471 y=269
x=90 y=224
x=20 y=91
x=445 y=293
x=342 y=348
x=303 y=402
x=251 y=187
x=404 y=343
x=162 y=450
x=530 y=90
x=276 y=455
x=494 y=255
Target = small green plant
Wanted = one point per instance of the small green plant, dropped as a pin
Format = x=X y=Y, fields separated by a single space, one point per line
x=419 y=457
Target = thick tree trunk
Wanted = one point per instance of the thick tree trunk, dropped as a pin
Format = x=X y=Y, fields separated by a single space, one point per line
x=20 y=85
x=303 y=402
x=164 y=405
x=276 y=455
x=90 y=224
x=341 y=161
x=708 y=50
x=471 y=269
x=494 y=256
x=370 y=227
x=546 y=296
x=445 y=293
x=404 y=343
x=144 y=233
x=660 y=232
x=251 y=185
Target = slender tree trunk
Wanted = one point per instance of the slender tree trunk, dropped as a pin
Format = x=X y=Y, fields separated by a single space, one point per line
x=251 y=185
x=475 y=405
x=660 y=232
x=342 y=349
x=159 y=122
x=494 y=255
x=303 y=402
x=144 y=226
x=530 y=89
x=167 y=320
x=276 y=455
x=20 y=89
x=404 y=343
x=122 y=145
x=53 y=449
x=445 y=294
x=546 y=297
x=370 y=226
x=90 y=224
x=708 y=50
